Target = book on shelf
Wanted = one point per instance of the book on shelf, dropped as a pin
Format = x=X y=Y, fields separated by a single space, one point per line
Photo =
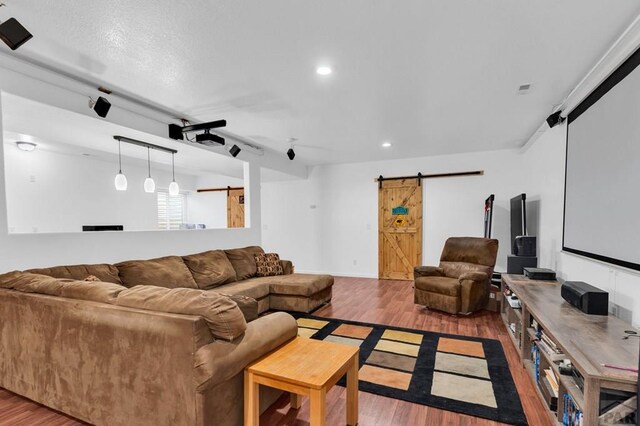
x=551 y=354
x=571 y=414
x=553 y=380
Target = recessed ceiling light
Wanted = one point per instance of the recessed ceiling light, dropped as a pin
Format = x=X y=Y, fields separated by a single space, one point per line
x=323 y=70
x=26 y=146
x=386 y=144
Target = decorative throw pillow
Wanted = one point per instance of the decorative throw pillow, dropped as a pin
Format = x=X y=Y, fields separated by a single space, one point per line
x=268 y=265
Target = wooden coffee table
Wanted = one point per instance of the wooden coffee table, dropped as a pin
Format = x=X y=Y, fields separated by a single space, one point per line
x=304 y=367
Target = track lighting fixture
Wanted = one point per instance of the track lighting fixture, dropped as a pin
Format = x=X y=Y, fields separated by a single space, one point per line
x=555 y=119
x=101 y=106
x=13 y=33
x=149 y=184
x=234 y=150
x=26 y=146
x=174 y=188
x=209 y=139
x=121 y=179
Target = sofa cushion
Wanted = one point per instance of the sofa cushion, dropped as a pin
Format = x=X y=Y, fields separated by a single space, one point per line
x=243 y=261
x=268 y=265
x=441 y=285
x=104 y=272
x=254 y=288
x=248 y=305
x=168 y=272
x=222 y=315
x=296 y=284
x=95 y=291
x=210 y=269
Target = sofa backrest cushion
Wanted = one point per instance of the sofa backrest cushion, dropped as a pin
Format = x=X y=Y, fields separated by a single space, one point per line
x=243 y=261
x=222 y=315
x=210 y=269
x=104 y=272
x=95 y=291
x=168 y=272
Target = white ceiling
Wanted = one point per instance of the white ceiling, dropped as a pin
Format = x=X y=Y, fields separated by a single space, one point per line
x=431 y=76
x=62 y=131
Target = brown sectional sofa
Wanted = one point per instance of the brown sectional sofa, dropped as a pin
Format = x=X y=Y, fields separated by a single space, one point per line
x=159 y=342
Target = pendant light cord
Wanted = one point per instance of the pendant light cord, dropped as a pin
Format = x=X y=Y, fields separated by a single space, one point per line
x=173 y=167
x=149 y=160
x=119 y=157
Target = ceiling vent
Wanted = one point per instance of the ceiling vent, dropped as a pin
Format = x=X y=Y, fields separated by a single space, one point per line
x=524 y=89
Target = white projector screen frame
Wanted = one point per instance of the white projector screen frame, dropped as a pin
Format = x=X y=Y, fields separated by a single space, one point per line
x=600 y=227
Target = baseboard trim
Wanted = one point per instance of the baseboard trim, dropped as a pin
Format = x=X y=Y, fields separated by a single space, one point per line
x=338 y=274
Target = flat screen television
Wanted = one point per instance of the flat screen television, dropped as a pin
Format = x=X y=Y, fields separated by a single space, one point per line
x=518 y=218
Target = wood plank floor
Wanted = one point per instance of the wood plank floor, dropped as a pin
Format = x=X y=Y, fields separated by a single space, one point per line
x=366 y=300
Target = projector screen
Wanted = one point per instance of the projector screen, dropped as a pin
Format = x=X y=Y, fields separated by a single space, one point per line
x=602 y=189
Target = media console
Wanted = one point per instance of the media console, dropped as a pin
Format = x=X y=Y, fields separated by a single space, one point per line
x=546 y=329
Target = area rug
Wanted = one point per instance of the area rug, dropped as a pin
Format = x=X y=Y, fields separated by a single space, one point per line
x=467 y=375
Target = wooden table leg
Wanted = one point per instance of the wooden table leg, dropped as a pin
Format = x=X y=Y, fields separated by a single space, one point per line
x=318 y=407
x=296 y=400
x=352 y=393
x=251 y=401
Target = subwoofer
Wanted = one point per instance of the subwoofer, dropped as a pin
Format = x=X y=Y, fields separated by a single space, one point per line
x=524 y=245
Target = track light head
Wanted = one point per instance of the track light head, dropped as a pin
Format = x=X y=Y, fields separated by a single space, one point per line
x=100 y=106
x=14 y=34
x=291 y=154
x=209 y=139
x=555 y=119
x=234 y=151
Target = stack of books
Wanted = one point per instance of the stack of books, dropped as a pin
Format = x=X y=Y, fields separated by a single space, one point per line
x=572 y=415
x=549 y=387
x=550 y=348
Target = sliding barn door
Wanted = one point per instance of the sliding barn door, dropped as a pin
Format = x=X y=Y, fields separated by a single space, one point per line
x=399 y=228
x=235 y=208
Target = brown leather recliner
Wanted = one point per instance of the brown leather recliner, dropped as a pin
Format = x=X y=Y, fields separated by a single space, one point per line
x=461 y=283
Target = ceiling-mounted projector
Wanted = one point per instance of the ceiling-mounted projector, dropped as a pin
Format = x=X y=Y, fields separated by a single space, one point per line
x=208 y=139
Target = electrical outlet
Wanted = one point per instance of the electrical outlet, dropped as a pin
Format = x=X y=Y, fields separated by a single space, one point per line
x=32 y=179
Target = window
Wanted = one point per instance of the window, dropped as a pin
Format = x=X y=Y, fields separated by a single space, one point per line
x=171 y=210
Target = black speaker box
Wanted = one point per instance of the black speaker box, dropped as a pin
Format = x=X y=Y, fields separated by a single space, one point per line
x=587 y=298
x=102 y=107
x=516 y=264
x=14 y=34
x=98 y=228
x=524 y=245
x=175 y=132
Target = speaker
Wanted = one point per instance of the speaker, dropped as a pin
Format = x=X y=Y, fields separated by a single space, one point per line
x=97 y=228
x=175 y=132
x=524 y=245
x=516 y=264
x=14 y=34
x=555 y=119
x=102 y=107
x=234 y=150
x=587 y=298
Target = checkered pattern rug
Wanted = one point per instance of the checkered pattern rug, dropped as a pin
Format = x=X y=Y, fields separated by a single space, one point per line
x=457 y=373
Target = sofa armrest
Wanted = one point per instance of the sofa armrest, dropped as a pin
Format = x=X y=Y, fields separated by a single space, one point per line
x=473 y=276
x=220 y=361
x=287 y=266
x=427 y=271
x=474 y=291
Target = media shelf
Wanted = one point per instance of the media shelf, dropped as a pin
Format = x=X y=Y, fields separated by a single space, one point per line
x=546 y=330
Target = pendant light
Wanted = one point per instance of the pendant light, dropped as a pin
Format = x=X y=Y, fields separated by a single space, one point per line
x=174 y=188
x=121 y=179
x=149 y=184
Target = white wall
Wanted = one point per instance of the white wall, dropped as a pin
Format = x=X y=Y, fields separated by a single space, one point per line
x=328 y=223
x=55 y=192
x=210 y=208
